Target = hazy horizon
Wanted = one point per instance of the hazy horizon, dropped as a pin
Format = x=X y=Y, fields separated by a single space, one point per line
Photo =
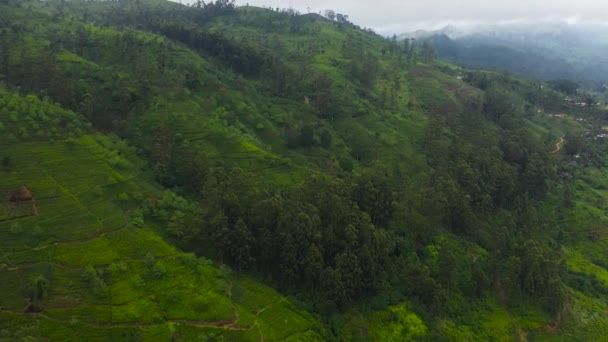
x=391 y=17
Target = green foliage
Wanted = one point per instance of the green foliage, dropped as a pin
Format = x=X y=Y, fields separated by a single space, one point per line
x=158 y=270
x=427 y=188
x=565 y=86
x=574 y=143
x=178 y=214
x=38 y=288
x=307 y=134
x=149 y=261
x=397 y=324
x=93 y=278
x=326 y=138
x=500 y=102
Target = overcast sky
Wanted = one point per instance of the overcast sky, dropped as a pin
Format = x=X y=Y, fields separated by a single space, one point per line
x=397 y=16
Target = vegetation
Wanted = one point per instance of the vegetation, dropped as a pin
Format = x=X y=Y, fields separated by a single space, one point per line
x=389 y=198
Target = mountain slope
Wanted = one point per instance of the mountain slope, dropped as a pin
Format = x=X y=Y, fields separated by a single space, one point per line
x=391 y=195
x=79 y=260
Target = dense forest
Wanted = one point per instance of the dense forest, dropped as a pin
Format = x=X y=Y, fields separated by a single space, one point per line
x=385 y=194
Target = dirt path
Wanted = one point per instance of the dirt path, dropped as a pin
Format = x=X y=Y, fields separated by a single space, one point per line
x=558 y=145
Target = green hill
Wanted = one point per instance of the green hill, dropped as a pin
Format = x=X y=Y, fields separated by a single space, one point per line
x=222 y=173
x=78 y=260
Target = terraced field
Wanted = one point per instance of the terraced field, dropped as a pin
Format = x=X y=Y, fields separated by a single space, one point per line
x=75 y=246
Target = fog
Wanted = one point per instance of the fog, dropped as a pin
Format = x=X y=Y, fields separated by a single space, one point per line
x=390 y=16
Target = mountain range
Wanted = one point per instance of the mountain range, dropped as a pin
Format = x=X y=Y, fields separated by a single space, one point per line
x=541 y=51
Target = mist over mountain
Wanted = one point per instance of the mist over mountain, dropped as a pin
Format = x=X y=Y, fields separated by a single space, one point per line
x=545 y=50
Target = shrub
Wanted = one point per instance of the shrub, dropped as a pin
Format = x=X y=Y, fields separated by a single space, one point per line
x=123 y=196
x=92 y=278
x=117 y=268
x=172 y=297
x=149 y=261
x=137 y=219
x=39 y=287
x=159 y=270
x=100 y=289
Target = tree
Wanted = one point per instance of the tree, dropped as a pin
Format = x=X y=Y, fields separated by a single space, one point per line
x=307 y=135
x=346 y=164
x=292 y=137
x=332 y=289
x=92 y=278
x=323 y=95
x=241 y=248
x=5 y=52
x=501 y=102
x=574 y=143
x=313 y=265
x=399 y=324
x=450 y=204
x=565 y=86
x=374 y=195
x=406 y=46
x=540 y=274
x=219 y=233
x=297 y=228
x=325 y=138
x=184 y=225
x=342 y=18
x=428 y=52
x=191 y=168
x=349 y=272
x=365 y=70
x=330 y=14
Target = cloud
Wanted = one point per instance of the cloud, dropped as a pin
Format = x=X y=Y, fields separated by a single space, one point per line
x=394 y=16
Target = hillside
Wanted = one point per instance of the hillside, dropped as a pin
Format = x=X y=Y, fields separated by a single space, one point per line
x=79 y=260
x=231 y=173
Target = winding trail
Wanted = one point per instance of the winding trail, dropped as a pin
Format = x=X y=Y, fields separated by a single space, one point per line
x=558 y=145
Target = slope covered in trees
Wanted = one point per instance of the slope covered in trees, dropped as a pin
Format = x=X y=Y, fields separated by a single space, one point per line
x=391 y=195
